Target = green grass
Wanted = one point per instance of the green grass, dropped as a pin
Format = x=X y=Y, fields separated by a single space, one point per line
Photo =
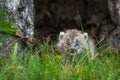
x=44 y=64
x=5 y=25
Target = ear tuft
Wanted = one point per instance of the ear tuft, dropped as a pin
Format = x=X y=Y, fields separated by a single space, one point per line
x=61 y=35
x=85 y=35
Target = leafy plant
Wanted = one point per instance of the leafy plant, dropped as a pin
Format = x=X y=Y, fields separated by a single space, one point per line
x=5 y=26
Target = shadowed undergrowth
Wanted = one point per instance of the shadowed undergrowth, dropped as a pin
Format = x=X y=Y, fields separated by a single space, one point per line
x=44 y=64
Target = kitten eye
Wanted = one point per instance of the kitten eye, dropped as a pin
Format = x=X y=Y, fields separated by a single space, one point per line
x=68 y=43
x=76 y=44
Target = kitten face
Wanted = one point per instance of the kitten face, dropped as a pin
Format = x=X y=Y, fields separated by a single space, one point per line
x=72 y=41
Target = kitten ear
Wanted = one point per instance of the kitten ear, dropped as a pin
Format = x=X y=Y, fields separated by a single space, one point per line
x=61 y=35
x=85 y=36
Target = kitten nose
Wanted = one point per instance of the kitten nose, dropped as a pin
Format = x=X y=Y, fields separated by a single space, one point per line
x=72 y=50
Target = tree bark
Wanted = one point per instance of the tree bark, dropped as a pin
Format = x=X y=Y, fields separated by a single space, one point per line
x=22 y=11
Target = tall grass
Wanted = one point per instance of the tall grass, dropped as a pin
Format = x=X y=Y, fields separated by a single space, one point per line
x=45 y=64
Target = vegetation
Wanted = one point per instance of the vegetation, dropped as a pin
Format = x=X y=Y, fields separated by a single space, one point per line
x=6 y=34
x=5 y=25
x=45 y=64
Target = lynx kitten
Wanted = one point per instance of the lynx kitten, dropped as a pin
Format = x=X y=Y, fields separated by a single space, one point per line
x=75 y=42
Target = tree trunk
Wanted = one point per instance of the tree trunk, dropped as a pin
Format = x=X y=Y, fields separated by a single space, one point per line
x=22 y=11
